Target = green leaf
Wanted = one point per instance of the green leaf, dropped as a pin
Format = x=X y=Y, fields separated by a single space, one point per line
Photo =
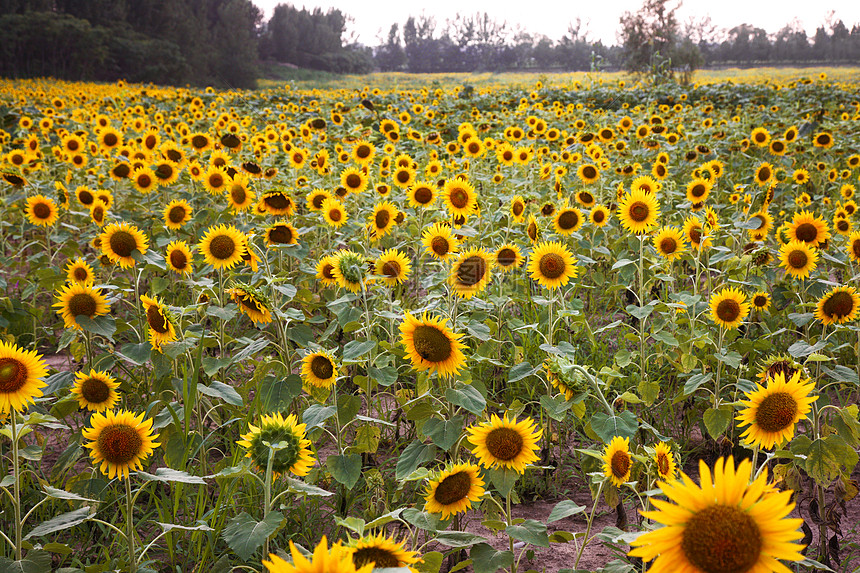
x=37 y=561
x=212 y=364
x=220 y=390
x=530 y=531
x=101 y=325
x=485 y=559
x=366 y=439
x=414 y=455
x=731 y=358
x=693 y=382
x=520 y=371
x=345 y=469
x=60 y=522
x=316 y=414
x=355 y=349
x=665 y=337
x=444 y=433
x=135 y=353
x=564 y=509
x=224 y=313
x=298 y=486
x=640 y=312
x=63 y=494
x=503 y=479
x=244 y=535
x=352 y=523
x=169 y=475
x=385 y=376
x=822 y=463
x=801 y=348
x=347 y=408
x=606 y=427
x=717 y=421
x=459 y=539
x=467 y=397
x=422 y=519
x=478 y=330
x=555 y=406
x=432 y=563
x=276 y=394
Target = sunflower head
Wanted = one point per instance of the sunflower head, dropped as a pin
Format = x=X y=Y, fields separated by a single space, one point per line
x=773 y=412
x=453 y=490
x=393 y=266
x=223 y=246
x=338 y=559
x=838 y=306
x=470 y=273
x=251 y=302
x=294 y=454
x=119 y=441
x=96 y=391
x=504 y=443
x=350 y=270
x=319 y=369
x=21 y=373
x=78 y=299
x=381 y=551
x=552 y=264
x=121 y=242
x=638 y=211
x=729 y=307
x=617 y=460
x=664 y=462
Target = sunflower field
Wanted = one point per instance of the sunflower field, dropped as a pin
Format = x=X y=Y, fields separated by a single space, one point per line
x=564 y=325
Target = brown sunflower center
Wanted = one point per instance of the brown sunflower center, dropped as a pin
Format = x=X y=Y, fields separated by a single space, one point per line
x=178 y=259
x=728 y=310
x=156 y=319
x=85 y=197
x=589 y=172
x=797 y=259
x=855 y=248
x=41 y=211
x=281 y=234
x=663 y=464
x=402 y=176
x=806 y=232
x=13 y=375
x=94 y=390
x=378 y=556
x=598 y=216
x=760 y=137
x=620 y=464
x=322 y=367
x=506 y=257
x=764 y=174
x=164 y=171
x=353 y=181
x=423 y=195
x=568 y=220
x=327 y=272
x=453 y=488
x=335 y=215
x=238 y=194
x=639 y=211
x=82 y=304
x=472 y=270
x=317 y=200
x=176 y=214
x=552 y=265
x=200 y=142
x=842 y=225
x=122 y=170
x=362 y=151
x=838 y=305
x=698 y=190
x=391 y=269
x=532 y=231
x=668 y=245
x=759 y=300
x=547 y=210
x=722 y=539
x=518 y=208
x=440 y=246
x=776 y=412
x=586 y=197
x=277 y=201
x=80 y=274
x=222 y=247
x=504 y=443
x=783 y=366
x=382 y=218
x=119 y=444
x=459 y=197
x=123 y=243
x=432 y=344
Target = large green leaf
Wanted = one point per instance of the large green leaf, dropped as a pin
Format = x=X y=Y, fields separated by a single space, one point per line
x=276 y=393
x=356 y=349
x=458 y=538
x=467 y=397
x=101 y=325
x=444 y=433
x=606 y=427
x=717 y=421
x=345 y=469
x=244 y=535
x=169 y=475
x=37 y=561
x=485 y=559
x=530 y=531
x=61 y=522
x=564 y=509
x=220 y=390
x=414 y=455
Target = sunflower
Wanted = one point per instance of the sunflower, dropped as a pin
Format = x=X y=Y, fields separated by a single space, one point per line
x=159 y=320
x=638 y=211
x=763 y=174
x=588 y=173
x=119 y=441
x=84 y=196
x=98 y=212
x=567 y=221
x=78 y=271
x=178 y=258
x=780 y=363
x=823 y=140
x=838 y=306
x=729 y=307
x=382 y=220
x=695 y=233
x=323 y=560
x=585 y=198
x=798 y=258
x=403 y=176
x=670 y=243
x=393 y=266
x=144 y=179
x=760 y=301
x=21 y=373
x=380 y=552
x=350 y=270
x=278 y=202
x=698 y=190
x=853 y=246
x=503 y=443
x=617 y=461
x=453 y=490
x=215 y=179
x=518 y=209
x=760 y=137
x=421 y=194
x=808 y=228
x=772 y=412
x=470 y=273
x=552 y=265
x=353 y=180
x=166 y=172
x=177 y=213
x=241 y=197
x=324 y=270
x=664 y=461
x=281 y=233
x=223 y=246
x=363 y=152
x=96 y=391
x=80 y=300
x=599 y=216
x=431 y=345
x=334 y=213
x=42 y=211
x=533 y=229
x=119 y=241
x=439 y=241
x=296 y=457
x=728 y=523
x=319 y=369
x=316 y=198
x=508 y=257
x=460 y=197
x=251 y=302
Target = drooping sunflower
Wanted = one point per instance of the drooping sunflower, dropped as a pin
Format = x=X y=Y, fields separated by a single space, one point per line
x=599 y=216
x=552 y=265
x=381 y=551
x=42 y=211
x=421 y=194
x=350 y=270
x=453 y=490
x=617 y=461
x=798 y=258
x=98 y=212
x=159 y=321
x=567 y=221
x=729 y=307
x=382 y=220
x=77 y=299
x=278 y=202
x=177 y=213
x=296 y=458
x=504 y=443
x=664 y=461
x=838 y=306
x=638 y=211
x=808 y=228
x=319 y=369
x=281 y=233
x=585 y=198
x=471 y=272
x=773 y=412
x=393 y=266
x=21 y=373
x=79 y=271
x=334 y=213
x=251 y=302
x=780 y=363
x=670 y=243
x=119 y=441
x=95 y=391
x=727 y=523
x=696 y=233
x=760 y=301
x=439 y=241
x=223 y=246
x=533 y=229
x=178 y=258
x=518 y=209
x=431 y=345
x=323 y=560
x=508 y=257
x=119 y=241
x=459 y=196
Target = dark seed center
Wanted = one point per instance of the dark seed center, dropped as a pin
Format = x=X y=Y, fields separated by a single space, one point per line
x=13 y=375
x=568 y=220
x=797 y=259
x=504 y=443
x=423 y=195
x=838 y=305
x=459 y=198
x=156 y=320
x=431 y=343
x=471 y=271
x=178 y=259
x=453 y=488
x=82 y=304
x=119 y=444
x=620 y=464
x=376 y=555
x=322 y=367
x=806 y=232
x=441 y=247
x=95 y=391
x=382 y=218
x=222 y=247
x=776 y=412
x=722 y=539
x=728 y=310
x=552 y=265
x=353 y=181
x=639 y=212
x=391 y=269
x=177 y=214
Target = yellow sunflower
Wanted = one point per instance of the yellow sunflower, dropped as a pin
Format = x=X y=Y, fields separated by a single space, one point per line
x=421 y=194
x=772 y=412
x=159 y=320
x=460 y=198
x=503 y=443
x=80 y=300
x=325 y=268
x=95 y=391
x=334 y=213
x=764 y=174
x=350 y=270
x=638 y=211
x=42 y=211
x=98 y=212
x=240 y=195
x=381 y=551
x=728 y=523
x=852 y=246
x=798 y=258
x=323 y=560
x=439 y=241
x=251 y=303
x=617 y=461
x=599 y=216
x=533 y=229
x=297 y=458
x=552 y=264
x=278 y=202
x=807 y=228
x=21 y=373
x=588 y=173
x=470 y=273
x=119 y=442
x=319 y=369
x=698 y=190
x=453 y=490
x=215 y=179
x=393 y=266
x=144 y=179
x=382 y=220
x=696 y=233
x=431 y=345
x=838 y=306
x=223 y=246
x=79 y=271
x=119 y=241
x=508 y=257
x=670 y=243
x=281 y=233
x=177 y=213
x=729 y=307
x=760 y=301
x=518 y=209
x=178 y=258
x=315 y=199
x=353 y=180
x=567 y=221
x=664 y=461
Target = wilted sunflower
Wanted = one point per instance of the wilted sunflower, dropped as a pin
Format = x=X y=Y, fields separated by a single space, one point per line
x=278 y=202
x=95 y=391
x=439 y=241
x=281 y=233
x=177 y=213
x=21 y=373
x=350 y=270
x=760 y=301
x=552 y=265
x=223 y=246
x=393 y=266
x=78 y=271
x=617 y=461
x=798 y=258
x=638 y=211
x=296 y=457
x=453 y=490
x=431 y=345
x=567 y=220
x=772 y=412
x=382 y=220
x=460 y=197
x=119 y=241
x=323 y=560
x=838 y=306
x=470 y=273
x=503 y=443
x=325 y=270
x=80 y=300
x=319 y=369
x=599 y=216
x=334 y=213
x=664 y=461
x=381 y=551
x=421 y=194
x=42 y=211
x=728 y=523
x=670 y=243
x=251 y=302
x=159 y=320
x=119 y=442
x=508 y=257
x=729 y=307
x=807 y=228
x=780 y=363
x=178 y=258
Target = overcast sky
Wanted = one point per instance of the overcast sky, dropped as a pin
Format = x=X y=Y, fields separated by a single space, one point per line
x=373 y=18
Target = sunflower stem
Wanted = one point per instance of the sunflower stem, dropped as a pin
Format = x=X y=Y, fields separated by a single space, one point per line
x=642 y=304
x=267 y=493
x=509 y=519
x=16 y=486
x=129 y=525
x=719 y=369
x=588 y=525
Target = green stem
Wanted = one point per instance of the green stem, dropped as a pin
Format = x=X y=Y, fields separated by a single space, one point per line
x=509 y=519
x=719 y=369
x=267 y=492
x=588 y=526
x=129 y=524
x=16 y=486
x=642 y=304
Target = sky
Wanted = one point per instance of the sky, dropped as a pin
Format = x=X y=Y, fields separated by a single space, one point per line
x=373 y=18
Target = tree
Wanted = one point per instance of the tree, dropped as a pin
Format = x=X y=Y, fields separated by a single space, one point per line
x=652 y=41
x=390 y=57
